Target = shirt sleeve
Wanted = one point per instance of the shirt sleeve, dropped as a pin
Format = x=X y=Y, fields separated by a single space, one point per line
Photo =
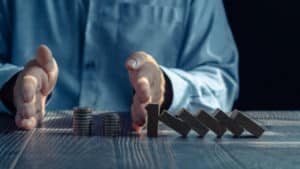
x=206 y=76
x=7 y=70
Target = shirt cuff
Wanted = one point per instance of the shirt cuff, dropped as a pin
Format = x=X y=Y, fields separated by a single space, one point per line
x=180 y=89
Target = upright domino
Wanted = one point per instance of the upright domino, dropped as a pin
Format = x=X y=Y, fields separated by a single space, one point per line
x=152 y=119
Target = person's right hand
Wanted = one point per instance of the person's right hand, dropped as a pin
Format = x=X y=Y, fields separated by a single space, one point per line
x=32 y=87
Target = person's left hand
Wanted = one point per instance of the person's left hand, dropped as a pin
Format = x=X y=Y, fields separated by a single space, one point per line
x=148 y=82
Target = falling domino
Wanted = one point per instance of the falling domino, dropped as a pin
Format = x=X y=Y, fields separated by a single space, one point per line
x=174 y=123
x=211 y=123
x=193 y=122
x=246 y=122
x=229 y=123
x=218 y=122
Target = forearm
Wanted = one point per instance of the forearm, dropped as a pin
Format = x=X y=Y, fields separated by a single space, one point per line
x=206 y=74
x=204 y=87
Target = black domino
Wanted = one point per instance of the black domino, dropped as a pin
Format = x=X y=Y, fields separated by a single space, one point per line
x=247 y=123
x=229 y=123
x=152 y=119
x=176 y=124
x=211 y=123
x=193 y=122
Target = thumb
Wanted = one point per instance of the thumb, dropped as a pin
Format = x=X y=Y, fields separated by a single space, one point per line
x=47 y=62
x=136 y=60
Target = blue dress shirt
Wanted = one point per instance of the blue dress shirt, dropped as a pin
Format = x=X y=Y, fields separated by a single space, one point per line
x=91 y=39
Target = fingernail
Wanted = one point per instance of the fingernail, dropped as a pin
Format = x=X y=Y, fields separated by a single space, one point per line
x=132 y=63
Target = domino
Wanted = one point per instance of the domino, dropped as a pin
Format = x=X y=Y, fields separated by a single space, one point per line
x=246 y=122
x=211 y=123
x=176 y=124
x=192 y=122
x=152 y=119
x=229 y=123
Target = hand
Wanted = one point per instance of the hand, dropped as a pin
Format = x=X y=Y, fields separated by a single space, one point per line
x=148 y=82
x=32 y=87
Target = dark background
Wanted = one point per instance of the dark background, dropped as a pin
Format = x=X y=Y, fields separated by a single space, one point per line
x=267 y=33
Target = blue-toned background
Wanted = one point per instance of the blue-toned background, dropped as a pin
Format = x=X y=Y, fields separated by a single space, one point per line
x=268 y=37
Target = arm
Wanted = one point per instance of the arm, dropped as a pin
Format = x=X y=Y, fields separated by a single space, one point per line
x=207 y=72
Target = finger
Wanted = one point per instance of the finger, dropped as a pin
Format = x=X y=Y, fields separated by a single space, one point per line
x=40 y=107
x=29 y=88
x=29 y=123
x=25 y=123
x=155 y=81
x=143 y=91
x=144 y=71
x=142 y=88
x=137 y=128
x=45 y=59
x=26 y=116
x=28 y=110
x=18 y=120
x=37 y=75
x=136 y=60
x=34 y=109
x=134 y=117
x=138 y=112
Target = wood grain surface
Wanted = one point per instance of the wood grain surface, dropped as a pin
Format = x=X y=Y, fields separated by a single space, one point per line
x=53 y=145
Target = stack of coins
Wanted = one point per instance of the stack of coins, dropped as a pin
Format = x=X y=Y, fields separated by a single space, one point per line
x=82 y=121
x=111 y=125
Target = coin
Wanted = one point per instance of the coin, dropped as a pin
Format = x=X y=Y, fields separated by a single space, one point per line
x=82 y=121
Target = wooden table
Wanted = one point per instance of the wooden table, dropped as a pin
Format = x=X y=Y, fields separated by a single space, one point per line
x=53 y=146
